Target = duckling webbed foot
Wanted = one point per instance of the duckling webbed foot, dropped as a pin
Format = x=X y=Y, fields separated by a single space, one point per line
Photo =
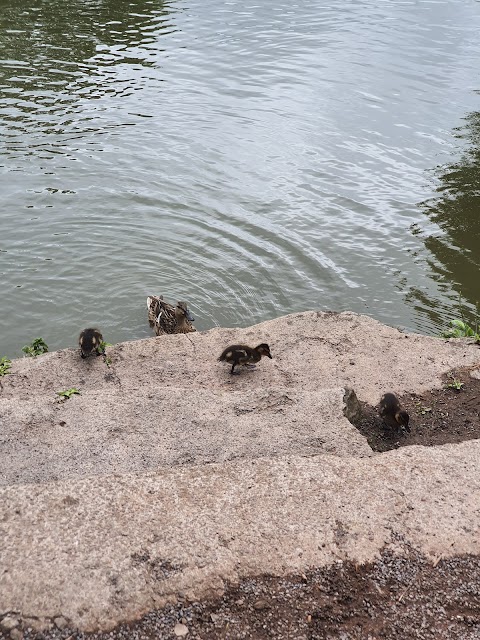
x=250 y=366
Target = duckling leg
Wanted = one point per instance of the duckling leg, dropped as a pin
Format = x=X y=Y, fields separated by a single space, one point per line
x=234 y=373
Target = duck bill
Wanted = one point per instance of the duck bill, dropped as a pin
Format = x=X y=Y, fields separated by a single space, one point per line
x=189 y=316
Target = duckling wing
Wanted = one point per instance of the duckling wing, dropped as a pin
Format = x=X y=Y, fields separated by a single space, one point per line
x=243 y=356
x=234 y=353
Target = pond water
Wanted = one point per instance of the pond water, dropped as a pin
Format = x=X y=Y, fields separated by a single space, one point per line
x=253 y=158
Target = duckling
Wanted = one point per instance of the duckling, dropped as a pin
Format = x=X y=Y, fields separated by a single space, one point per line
x=241 y=354
x=165 y=318
x=90 y=340
x=393 y=414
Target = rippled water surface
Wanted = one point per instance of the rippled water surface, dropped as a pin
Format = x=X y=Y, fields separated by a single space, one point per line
x=253 y=158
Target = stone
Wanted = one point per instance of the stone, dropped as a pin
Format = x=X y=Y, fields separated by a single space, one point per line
x=60 y=622
x=180 y=630
x=351 y=409
x=16 y=634
x=8 y=623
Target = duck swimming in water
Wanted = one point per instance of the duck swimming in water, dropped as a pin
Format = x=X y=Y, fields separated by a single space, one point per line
x=393 y=414
x=165 y=318
x=241 y=354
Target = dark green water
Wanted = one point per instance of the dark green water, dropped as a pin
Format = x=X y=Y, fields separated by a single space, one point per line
x=253 y=158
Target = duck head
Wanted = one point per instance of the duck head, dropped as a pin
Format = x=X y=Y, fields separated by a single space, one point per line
x=264 y=350
x=181 y=312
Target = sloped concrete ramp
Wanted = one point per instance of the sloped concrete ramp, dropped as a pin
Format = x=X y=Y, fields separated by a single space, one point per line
x=104 y=549
x=167 y=476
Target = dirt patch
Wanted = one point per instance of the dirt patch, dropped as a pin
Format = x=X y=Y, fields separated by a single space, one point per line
x=440 y=416
x=396 y=597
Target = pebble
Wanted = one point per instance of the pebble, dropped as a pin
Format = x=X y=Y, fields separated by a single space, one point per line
x=60 y=622
x=259 y=605
x=8 y=623
x=180 y=630
x=16 y=634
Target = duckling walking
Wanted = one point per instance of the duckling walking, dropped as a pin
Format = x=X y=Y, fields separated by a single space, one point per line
x=393 y=414
x=165 y=318
x=90 y=340
x=241 y=354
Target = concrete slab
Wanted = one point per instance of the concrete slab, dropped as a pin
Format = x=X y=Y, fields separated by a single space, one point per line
x=96 y=433
x=311 y=351
x=104 y=549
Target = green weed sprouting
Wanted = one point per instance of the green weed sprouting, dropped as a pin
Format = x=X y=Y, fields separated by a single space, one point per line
x=5 y=366
x=103 y=345
x=455 y=384
x=68 y=393
x=460 y=329
x=35 y=348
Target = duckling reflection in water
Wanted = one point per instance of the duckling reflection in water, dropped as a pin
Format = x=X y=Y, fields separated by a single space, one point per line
x=393 y=414
x=165 y=318
x=241 y=354
x=90 y=340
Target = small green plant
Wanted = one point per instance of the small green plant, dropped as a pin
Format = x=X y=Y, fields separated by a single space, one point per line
x=425 y=410
x=5 y=365
x=103 y=345
x=68 y=393
x=35 y=348
x=108 y=361
x=455 y=384
x=459 y=329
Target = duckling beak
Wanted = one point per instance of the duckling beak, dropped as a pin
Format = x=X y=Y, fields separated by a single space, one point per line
x=189 y=316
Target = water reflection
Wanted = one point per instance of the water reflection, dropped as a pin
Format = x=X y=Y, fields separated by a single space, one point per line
x=59 y=55
x=456 y=211
x=253 y=158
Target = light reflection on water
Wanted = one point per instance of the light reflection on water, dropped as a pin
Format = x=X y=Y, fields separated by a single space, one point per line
x=252 y=158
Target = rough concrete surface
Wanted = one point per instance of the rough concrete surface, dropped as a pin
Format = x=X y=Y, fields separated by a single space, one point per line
x=108 y=548
x=311 y=350
x=94 y=433
x=292 y=483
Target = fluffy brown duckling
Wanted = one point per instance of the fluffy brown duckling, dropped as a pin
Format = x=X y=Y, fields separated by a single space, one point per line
x=237 y=354
x=165 y=318
x=90 y=340
x=393 y=414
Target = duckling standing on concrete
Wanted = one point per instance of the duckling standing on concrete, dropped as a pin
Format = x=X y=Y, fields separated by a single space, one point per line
x=241 y=354
x=393 y=414
x=90 y=340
